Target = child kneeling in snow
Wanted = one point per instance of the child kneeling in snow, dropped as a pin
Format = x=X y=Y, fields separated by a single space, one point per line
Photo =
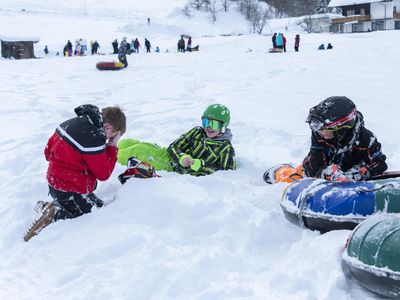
x=81 y=151
x=200 y=151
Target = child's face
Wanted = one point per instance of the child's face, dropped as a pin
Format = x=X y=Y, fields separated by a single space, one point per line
x=212 y=133
x=327 y=134
x=109 y=131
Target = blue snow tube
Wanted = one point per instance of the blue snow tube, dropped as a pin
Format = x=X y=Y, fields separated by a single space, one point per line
x=324 y=205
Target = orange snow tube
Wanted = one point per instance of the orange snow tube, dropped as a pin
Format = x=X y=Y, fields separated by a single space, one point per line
x=283 y=173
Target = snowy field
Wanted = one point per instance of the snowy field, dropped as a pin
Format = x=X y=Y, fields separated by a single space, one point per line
x=223 y=236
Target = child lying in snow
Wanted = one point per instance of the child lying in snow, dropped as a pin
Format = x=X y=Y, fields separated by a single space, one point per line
x=200 y=151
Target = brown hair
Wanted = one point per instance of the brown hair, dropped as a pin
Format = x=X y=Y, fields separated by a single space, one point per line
x=114 y=116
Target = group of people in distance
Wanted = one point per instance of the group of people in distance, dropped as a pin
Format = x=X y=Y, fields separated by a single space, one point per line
x=182 y=47
x=279 y=43
x=85 y=149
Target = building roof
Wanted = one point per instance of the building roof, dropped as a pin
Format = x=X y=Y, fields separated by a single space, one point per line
x=336 y=3
x=19 y=39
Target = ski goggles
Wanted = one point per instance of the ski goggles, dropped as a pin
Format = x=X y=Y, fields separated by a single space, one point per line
x=337 y=128
x=213 y=124
x=318 y=124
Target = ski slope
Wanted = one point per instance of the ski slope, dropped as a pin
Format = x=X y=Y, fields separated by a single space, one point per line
x=223 y=236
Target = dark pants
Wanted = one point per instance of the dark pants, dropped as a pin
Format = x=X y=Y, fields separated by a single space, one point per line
x=72 y=205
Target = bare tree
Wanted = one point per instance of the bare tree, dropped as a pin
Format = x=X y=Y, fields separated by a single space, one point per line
x=259 y=17
x=199 y=4
x=213 y=10
x=186 y=10
x=308 y=8
x=255 y=14
x=225 y=4
x=310 y=24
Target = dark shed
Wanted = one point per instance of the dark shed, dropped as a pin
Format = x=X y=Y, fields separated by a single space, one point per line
x=17 y=48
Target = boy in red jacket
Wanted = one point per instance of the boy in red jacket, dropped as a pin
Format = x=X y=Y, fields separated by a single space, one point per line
x=81 y=151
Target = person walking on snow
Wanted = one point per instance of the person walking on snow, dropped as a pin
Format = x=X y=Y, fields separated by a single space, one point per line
x=189 y=44
x=297 y=43
x=147 y=45
x=115 y=46
x=274 y=40
x=81 y=151
x=279 y=41
x=284 y=43
x=136 y=45
x=200 y=151
x=181 y=44
x=95 y=47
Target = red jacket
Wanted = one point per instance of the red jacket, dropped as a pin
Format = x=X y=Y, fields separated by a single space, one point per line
x=77 y=153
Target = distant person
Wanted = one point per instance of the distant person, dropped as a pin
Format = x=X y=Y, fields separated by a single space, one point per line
x=181 y=45
x=274 y=40
x=157 y=49
x=284 y=43
x=189 y=44
x=115 y=46
x=321 y=47
x=123 y=44
x=136 y=45
x=81 y=151
x=133 y=45
x=329 y=46
x=67 y=51
x=46 y=50
x=279 y=41
x=69 y=45
x=128 y=48
x=148 y=21
x=297 y=43
x=95 y=47
x=78 y=49
x=147 y=45
x=122 y=55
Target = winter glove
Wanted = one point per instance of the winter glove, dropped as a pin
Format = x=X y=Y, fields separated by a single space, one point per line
x=357 y=173
x=137 y=169
x=334 y=173
x=197 y=163
x=185 y=160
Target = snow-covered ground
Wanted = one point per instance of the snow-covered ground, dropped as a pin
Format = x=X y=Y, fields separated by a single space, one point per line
x=223 y=236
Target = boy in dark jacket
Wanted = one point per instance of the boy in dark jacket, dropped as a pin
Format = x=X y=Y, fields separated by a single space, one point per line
x=201 y=151
x=81 y=151
x=342 y=149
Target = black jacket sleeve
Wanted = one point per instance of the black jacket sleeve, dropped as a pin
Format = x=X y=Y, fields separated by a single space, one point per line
x=315 y=160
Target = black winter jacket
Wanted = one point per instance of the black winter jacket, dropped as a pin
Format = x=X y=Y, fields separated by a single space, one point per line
x=359 y=147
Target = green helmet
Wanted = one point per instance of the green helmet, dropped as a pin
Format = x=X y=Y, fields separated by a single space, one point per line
x=218 y=112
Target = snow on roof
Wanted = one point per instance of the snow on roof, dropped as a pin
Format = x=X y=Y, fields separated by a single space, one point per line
x=335 y=3
x=19 y=39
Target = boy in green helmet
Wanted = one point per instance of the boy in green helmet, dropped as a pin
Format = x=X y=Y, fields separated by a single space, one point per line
x=200 y=151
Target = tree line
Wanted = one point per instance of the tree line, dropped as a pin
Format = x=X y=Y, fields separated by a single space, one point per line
x=258 y=12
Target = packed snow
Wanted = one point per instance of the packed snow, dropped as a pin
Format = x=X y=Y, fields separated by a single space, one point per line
x=222 y=236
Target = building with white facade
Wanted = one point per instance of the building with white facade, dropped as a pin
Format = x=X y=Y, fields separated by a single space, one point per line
x=366 y=15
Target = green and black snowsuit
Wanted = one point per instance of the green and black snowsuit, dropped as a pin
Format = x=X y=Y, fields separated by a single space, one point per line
x=215 y=154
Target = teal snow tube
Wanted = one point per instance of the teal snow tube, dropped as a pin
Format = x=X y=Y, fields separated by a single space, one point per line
x=372 y=255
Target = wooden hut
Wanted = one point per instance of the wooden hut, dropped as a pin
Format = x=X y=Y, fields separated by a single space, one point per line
x=17 y=48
